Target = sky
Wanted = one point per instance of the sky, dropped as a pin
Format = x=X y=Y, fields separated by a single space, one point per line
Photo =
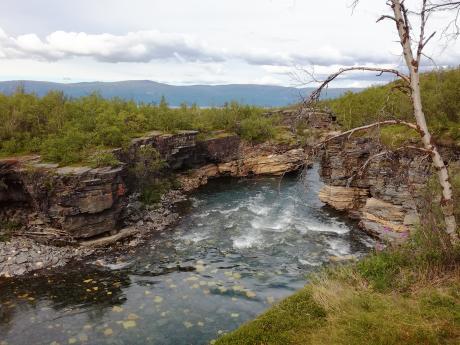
x=185 y=42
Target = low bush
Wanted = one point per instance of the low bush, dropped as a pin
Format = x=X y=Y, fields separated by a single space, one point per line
x=68 y=131
x=151 y=194
x=257 y=129
x=103 y=159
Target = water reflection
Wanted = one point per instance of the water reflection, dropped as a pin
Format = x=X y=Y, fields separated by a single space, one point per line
x=241 y=246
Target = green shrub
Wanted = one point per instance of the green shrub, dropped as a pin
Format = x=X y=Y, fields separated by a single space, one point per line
x=257 y=129
x=7 y=228
x=152 y=194
x=103 y=159
x=395 y=137
x=148 y=164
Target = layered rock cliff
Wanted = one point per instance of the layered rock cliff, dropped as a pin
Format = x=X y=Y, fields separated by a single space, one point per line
x=384 y=195
x=274 y=164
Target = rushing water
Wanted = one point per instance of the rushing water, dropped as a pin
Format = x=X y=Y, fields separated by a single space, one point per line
x=240 y=246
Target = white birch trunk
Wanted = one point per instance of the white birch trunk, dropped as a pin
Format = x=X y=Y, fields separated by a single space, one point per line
x=447 y=204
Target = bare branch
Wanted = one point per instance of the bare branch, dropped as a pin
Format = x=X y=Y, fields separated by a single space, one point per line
x=427 y=40
x=317 y=93
x=367 y=127
x=445 y=6
x=423 y=19
x=385 y=17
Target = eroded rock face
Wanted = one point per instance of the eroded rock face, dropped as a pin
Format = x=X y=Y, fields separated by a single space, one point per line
x=272 y=164
x=198 y=177
x=183 y=150
x=393 y=183
x=343 y=198
x=386 y=220
x=82 y=201
x=223 y=148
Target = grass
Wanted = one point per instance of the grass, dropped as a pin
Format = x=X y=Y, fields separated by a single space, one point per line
x=402 y=295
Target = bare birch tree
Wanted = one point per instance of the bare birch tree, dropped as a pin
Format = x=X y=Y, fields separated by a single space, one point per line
x=412 y=52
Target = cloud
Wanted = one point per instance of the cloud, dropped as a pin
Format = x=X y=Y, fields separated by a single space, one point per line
x=145 y=46
x=140 y=46
x=321 y=56
x=152 y=45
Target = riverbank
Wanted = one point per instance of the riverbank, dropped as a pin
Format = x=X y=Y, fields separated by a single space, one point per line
x=402 y=295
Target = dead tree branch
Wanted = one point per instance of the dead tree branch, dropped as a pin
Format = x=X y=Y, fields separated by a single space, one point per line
x=350 y=132
x=314 y=97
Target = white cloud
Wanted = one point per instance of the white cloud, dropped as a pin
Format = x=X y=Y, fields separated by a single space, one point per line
x=140 y=46
x=147 y=46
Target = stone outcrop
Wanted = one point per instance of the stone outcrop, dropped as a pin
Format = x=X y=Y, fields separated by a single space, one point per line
x=272 y=164
x=393 y=183
x=343 y=198
x=220 y=148
x=83 y=201
x=385 y=219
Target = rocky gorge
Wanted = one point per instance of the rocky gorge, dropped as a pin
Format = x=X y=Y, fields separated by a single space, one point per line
x=51 y=215
x=59 y=213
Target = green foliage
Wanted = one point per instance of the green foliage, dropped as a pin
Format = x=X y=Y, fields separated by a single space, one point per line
x=148 y=164
x=396 y=136
x=151 y=194
x=7 y=228
x=440 y=96
x=68 y=131
x=257 y=129
x=147 y=174
x=103 y=159
x=382 y=269
x=280 y=323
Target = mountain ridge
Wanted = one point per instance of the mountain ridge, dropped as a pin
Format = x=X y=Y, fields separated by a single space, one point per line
x=149 y=91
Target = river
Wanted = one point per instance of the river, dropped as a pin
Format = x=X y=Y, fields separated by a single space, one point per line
x=241 y=245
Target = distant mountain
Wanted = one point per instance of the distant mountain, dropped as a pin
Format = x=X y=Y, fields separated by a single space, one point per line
x=150 y=92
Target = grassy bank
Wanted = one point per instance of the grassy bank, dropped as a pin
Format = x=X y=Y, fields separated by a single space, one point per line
x=406 y=295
